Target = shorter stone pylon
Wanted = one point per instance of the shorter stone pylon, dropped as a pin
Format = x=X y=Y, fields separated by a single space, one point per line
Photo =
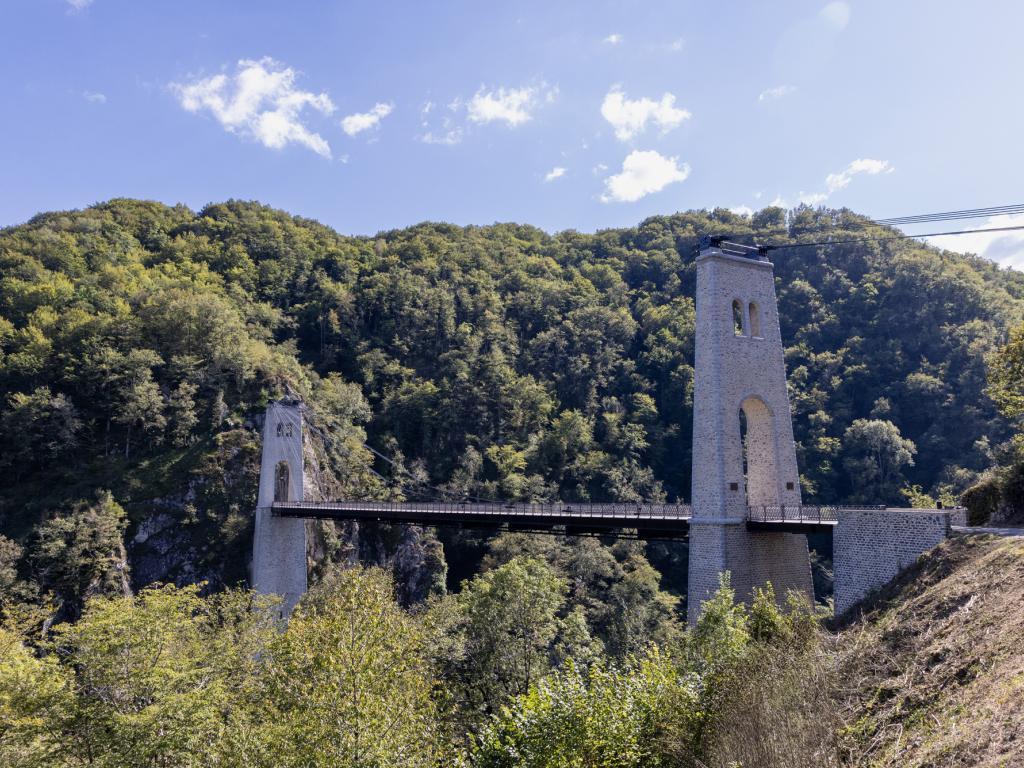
x=279 y=543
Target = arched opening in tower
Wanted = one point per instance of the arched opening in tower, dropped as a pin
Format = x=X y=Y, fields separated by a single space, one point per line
x=760 y=464
x=282 y=482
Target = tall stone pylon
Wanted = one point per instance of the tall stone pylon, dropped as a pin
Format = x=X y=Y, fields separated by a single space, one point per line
x=743 y=449
x=279 y=543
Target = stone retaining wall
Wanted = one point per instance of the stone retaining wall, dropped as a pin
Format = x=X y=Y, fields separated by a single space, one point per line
x=871 y=546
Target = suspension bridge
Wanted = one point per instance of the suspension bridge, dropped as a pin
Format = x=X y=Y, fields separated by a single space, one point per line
x=746 y=515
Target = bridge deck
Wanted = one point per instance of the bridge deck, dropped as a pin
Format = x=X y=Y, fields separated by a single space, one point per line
x=649 y=520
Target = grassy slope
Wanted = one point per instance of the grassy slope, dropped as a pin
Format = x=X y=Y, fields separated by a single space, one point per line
x=933 y=671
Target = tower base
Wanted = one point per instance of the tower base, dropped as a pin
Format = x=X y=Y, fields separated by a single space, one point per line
x=752 y=559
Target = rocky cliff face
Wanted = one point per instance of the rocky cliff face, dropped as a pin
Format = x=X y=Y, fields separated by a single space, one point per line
x=413 y=554
x=203 y=532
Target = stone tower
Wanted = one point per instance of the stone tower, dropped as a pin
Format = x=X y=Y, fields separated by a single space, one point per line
x=743 y=450
x=279 y=543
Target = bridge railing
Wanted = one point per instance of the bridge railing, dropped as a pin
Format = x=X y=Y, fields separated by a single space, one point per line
x=582 y=510
x=800 y=513
x=808 y=514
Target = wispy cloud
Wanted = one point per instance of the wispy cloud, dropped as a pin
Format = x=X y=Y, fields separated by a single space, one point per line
x=512 y=106
x=630 y=117
x=364 y=121
x=836 y=14
x=835 y=182
x=867 y=166
x=259 y=101
x=643 y=173
x=778 y=92
x=613 y=39
x=1004 y=248
x=742 y=210
x=841 y=179
x=555 y=173
x=94 y=97
x=79 y=5
x=448 y=135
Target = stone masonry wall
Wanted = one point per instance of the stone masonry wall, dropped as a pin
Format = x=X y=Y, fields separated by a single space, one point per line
x=279 y=544
x=871 y=546
x=740 y=369
x=752 y=558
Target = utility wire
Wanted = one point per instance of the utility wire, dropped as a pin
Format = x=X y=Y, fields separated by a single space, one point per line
x=782 y=246
x=971 y=213
x=894 y=237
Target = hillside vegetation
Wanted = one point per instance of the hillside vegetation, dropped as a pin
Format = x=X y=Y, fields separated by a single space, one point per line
x=137 y=341
x=933 y=673
x=139 y=344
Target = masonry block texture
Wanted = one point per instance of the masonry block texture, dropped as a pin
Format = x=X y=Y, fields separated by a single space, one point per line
x=739 y=367
x=871 y=546
x=279 y=544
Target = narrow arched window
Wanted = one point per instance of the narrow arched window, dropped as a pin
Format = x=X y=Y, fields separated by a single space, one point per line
x=282 y=482
x=737 y=317
x=755 y=320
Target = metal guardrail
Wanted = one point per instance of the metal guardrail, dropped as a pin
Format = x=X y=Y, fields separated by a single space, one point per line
x=808 y=514
x=504 y=510
x=796 y=513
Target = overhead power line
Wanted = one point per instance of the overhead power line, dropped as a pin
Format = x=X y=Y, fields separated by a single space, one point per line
x=744 y=248
x=970 y=213
x=892 y=237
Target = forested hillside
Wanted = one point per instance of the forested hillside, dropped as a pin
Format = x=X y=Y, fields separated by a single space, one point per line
x=139 y=341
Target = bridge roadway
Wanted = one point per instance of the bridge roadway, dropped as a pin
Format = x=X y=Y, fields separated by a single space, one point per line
x=650 y=521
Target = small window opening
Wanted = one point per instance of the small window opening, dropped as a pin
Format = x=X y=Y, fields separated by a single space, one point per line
x=288 y=430
x=755 y=320
x=737 y=317
x=789 y=486
x=734 y=486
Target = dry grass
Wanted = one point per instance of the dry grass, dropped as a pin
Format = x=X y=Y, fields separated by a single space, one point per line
x=780 y=713
x=932 y=673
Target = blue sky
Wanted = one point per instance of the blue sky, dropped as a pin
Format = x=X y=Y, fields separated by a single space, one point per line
x=376 y=115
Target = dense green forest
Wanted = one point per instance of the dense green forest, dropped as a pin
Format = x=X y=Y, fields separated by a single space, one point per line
x=139 y=344
x=138 y=341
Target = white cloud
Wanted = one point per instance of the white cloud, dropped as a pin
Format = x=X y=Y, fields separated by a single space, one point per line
x=511 y=105
x=259 y=101
x=79 y=5
x=599 y=169
x=771 y=94
x=613 y=39
x=811 y=198
x=836 y=14
x=837 y=181
x=448 y=135
x=555 y=173
x=629 y=118
x=95 y=97
x=642 y=174
x=742 y=210
x=1004 y=248
x=364 y=121
x=677 y=44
